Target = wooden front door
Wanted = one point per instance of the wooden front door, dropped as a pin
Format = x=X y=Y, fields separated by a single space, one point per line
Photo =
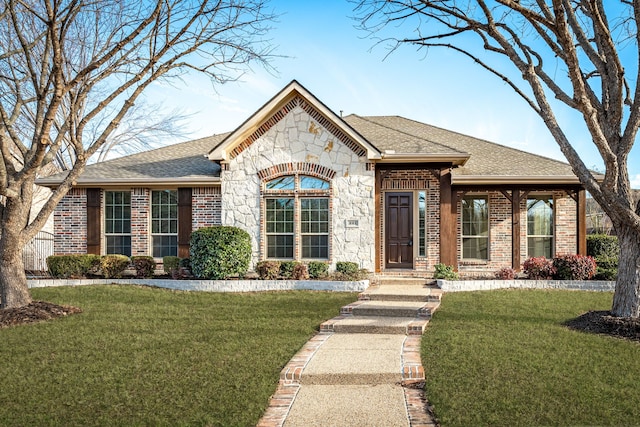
x=399 y=230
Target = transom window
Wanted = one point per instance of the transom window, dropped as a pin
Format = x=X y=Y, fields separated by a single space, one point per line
x=297 y=217
x=475 y=227
x=164 y=222
x=540 y=226
x=117 y=222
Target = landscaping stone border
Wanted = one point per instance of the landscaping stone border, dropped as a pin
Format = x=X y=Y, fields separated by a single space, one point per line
x=215 y=285
x=485 y=285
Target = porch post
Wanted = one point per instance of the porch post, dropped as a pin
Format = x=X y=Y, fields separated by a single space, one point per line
x=581 y=222
x=378 y=220
x=448 y=215
x=515 y=230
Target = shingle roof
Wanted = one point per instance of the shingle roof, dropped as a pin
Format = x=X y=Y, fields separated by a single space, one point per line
x=487 y=158
x=488 y=162
x=184 y=162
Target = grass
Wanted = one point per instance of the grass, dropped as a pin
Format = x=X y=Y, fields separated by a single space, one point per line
x=504 y=358
x=144 y=356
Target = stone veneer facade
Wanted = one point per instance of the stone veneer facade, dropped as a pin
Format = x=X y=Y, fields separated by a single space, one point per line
x=299 y=144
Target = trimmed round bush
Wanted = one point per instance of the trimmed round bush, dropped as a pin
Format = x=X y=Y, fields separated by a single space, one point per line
x=220 y=252
x=318 y=269
x=145 y=266
x=112 y=266
x=72 y=266
x=574 y=267
x=539 y=268
x=268 y=270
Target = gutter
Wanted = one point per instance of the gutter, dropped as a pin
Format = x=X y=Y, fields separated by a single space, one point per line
x=508 y=179
x=110 y=183
x=456 y=159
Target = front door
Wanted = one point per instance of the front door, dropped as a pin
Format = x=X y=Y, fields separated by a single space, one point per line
x=399 y=230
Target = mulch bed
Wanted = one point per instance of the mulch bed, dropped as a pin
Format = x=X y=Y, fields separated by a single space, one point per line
x=602 y=322
x=37 y=311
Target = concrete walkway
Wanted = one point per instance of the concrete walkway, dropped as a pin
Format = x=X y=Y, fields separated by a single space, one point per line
x=364 y=367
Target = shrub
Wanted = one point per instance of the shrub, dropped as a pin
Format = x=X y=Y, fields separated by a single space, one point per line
x=286 y=269
x=506 y=273
x=72 y=266
x=112 y=266
x=574 y=267
x=318 y=269
x=170 y=264
x=445 y=272
x=606 y=251
x=220 y=252
x=539 y=268
x=300 y=272
x=347 y=267
x=268 y=270
x=144 y=265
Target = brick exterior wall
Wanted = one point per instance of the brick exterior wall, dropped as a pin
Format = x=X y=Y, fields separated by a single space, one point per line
x=140 y=221
x=70 y=223
x=206 y=205
x=416 y=181
x=500 y=240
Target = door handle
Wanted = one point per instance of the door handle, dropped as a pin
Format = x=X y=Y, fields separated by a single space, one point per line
x=410 y=243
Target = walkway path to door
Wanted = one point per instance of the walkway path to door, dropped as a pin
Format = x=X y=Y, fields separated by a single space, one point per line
x=364 y=366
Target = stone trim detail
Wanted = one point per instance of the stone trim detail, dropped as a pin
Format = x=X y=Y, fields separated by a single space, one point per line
x=298 y=101
x=302 y=168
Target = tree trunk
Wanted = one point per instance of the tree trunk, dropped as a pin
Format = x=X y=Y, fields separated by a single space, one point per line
x=626 y=300
x=13 y=280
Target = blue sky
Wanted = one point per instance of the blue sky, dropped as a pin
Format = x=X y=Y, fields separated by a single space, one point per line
x=323 y=50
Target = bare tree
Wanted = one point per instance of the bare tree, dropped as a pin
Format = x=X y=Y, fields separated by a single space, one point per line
x=71 y=71
x=555 y=54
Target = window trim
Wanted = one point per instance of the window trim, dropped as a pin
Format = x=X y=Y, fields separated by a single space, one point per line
x=104 y=233
x=552 y=236
x=464 y=236
x=151 y=246
x=297 y=194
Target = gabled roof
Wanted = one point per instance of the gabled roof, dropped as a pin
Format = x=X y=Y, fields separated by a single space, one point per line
x=185 y=163
x=275 y=109
x=381 y=139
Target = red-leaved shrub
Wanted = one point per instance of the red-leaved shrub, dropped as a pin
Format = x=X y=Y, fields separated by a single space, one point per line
x=574 y=267
x=539 y=268
x=506 y=273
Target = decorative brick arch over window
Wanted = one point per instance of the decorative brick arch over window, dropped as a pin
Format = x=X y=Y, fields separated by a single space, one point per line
x=296 y=205
x=297 y=168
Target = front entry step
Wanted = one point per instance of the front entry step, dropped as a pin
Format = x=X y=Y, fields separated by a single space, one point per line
x=409 y=309
x=401 y=293
x=375 y=325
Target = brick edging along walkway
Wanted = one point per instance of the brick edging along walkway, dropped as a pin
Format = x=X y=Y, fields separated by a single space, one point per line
x=289 y=384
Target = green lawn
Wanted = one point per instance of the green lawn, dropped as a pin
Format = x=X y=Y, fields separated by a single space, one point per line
x=503 y=358
x=144 y=356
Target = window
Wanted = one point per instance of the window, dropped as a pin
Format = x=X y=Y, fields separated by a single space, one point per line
x=117 y=218
x=164 y=222
x=279 y=224
x=540 y=226
x=297 y=217
x=475 y=227
x=314 y=224
x=422 y=196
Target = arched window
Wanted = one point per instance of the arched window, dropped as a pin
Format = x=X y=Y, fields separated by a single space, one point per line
x=297 y=217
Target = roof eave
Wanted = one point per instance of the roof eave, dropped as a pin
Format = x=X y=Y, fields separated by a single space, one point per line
x=454 y=159
x=111 y=183
x=509 y=179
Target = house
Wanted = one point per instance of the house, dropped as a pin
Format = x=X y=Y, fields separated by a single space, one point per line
x=392 y=194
